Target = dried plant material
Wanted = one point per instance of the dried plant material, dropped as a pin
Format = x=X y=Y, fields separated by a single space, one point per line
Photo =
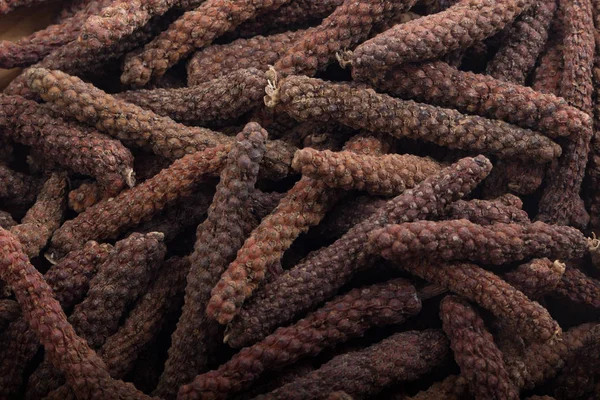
x=259 y=52
x=6 y=219
x=109 y=218
x=350 y=24
x=536 y=277
x=9 y=311
x=76 y=148
x=195 y=29
x=221 y=99
x=474 y=349
x=345 y=317
x=454 y=387
x=329 y=268
x=401 y=357
x=379 y=175
x=17 y=187
x=525 y=40
x=550 y=67
x=218 y=240
x=7 y=6
x=578 y=288
x=516 y=176
x=306 y=98
x=84 y=370
x=486 y=212
x=85 y=196
x=432 y=36
x=443 y=85
x=349 y=213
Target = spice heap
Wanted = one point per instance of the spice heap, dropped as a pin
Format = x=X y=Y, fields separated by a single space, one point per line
x=302 y=199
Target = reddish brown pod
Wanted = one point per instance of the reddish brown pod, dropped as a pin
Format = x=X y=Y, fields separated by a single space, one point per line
x=16 y=187
x=537 y=277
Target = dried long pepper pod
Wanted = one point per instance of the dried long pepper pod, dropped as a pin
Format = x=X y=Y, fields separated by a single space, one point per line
x=464 y=240
x=121 y=350
x=195 y=29
x=401 y=357
x=432 y=36
x=379 y=175
x=331 y=267
x=17 y=187
x=454 y=387
x=44 y=217
x=576 y=287
x=477 y=355
x=84 y=370
x=441 y=84
x=9 y=311
x=221 y=99
x=256 y=52
x=69 y=280
x=348 y=213
x=109 y=218
x=218 y=239
x=492 y=293
x=536 y=277
x=486 y=212
x=547 y=75
x=121 y=279
x=345 y=317
x=6 y=220
x=79 y=149
x=347 y=26
x=525 y=40
x=517 y=176
x=132 y=124
x=306 y=98
x=85 y=196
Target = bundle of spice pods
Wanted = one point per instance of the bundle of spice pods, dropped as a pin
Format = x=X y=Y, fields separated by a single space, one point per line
x=302 y=199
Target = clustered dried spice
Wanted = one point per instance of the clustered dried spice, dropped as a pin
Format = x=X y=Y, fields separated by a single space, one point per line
x=331 y=182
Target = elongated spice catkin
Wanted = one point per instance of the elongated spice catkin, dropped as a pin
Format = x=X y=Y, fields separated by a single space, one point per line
x=330 y=268
x=537 y=277
x=307 y=98
x=17 y=187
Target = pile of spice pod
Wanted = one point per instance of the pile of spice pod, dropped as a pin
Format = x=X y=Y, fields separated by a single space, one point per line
x=302 y=199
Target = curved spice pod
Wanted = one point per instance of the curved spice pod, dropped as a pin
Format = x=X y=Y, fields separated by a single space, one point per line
x=388 y=174
x=84 y=370
x=218 y=239
x=516 y=176
x=69 y=280
x=443 y=85
x=536 y=277
x=77 y=148
x=432 y=36
x=6 y=219
x=348 y=213
x=16 y=187
x=345 y=317
x=110 y=217
x=550 y=67
x=463 y=240
x=486 y=212
x=453 y=387
x=145 y=320
x=492 y=293
x=193 y=30
x=401 y=357
x=578 y=288
x=475 y=352
x=132 y=124
x=44 y=217
x=350 y=24
x=220 y=99
x=324 y=271
x=306 y=98
x=523 y=43
x=259 y=52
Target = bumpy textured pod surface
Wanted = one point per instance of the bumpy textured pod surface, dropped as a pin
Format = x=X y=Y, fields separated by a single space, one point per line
x=432 y=36
x=84 y=370
x=195 y=29
x=17 y=187
x=548 y=73
x=486 y=212
x=536 y=277
x=443 y=85
x=121 y=279
x=401 y=357
x=525 y=40
x=330 y=268
x=516 y=176
x=44 y=217
x=379 y=175
x=464 y=240
x=492 y=293
x=343 y=318
x=256 y=52
x=218 y=239
x=76 y=148
x=306 y=98
x=109 y=218
x=575 y=286
x=85 y=196
x=474 y=349
x=6 y=220
x=350 y=24
x=69 y=280
x=221 y=99
x=454 y=387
